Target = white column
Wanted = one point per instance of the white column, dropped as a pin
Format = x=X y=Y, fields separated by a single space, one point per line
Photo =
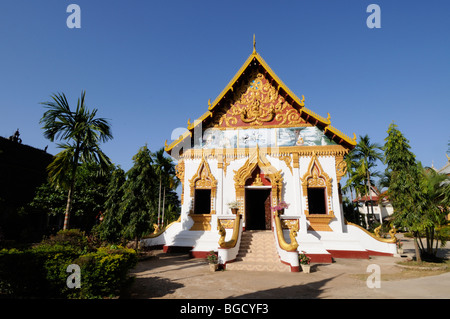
x=303 y=226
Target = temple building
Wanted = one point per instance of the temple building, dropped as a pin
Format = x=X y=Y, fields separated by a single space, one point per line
x=260 y=150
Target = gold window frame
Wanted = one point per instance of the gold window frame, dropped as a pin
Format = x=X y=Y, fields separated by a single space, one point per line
x=203 y=179
x=315 y=177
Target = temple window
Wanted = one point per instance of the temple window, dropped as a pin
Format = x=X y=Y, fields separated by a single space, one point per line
x=317 y=200
x=202 y=201
x=317 y=190
x=203 y=190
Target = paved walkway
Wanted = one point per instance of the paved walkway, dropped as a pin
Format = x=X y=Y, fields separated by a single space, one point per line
x=169 y=276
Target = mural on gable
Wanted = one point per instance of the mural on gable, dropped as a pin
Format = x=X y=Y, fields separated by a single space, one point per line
x=263 y=137
x=302 y=136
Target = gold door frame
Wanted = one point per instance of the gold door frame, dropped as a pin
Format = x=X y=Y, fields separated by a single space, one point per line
x=257 y=159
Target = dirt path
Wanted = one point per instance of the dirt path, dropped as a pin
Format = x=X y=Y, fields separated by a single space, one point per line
x=169 y=276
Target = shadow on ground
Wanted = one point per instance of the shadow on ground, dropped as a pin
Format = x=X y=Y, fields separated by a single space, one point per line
x=309 y=290
x=152 y=287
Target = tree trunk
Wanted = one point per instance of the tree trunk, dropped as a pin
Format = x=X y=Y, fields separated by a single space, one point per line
x=370 y=195
x=437 y=243
x=159 y=201
x=421 y=247
x=367 y=207
x=70 y=194
x=352 y=205
x=416 y=248
x=68 y=209
x=163 y=208
x=431 y=241
x=136 y=245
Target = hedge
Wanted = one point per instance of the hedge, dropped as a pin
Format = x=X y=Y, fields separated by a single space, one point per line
x=40 y=272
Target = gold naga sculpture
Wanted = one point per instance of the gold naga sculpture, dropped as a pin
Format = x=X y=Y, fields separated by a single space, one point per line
x=292 y=246
x=232 y=242
x=392 y=233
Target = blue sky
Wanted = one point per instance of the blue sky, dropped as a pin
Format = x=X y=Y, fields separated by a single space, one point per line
x=148 y=66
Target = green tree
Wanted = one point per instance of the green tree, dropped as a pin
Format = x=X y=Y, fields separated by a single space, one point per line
x=354 y=183
x=405 y=191
x=82 y=132
x=433 y=192
x=165 y=170
x=88 y=199
x=139 y=200
x=110 y=228
x=361 y=162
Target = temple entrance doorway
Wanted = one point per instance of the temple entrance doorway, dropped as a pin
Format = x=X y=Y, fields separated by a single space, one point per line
x=257 y=209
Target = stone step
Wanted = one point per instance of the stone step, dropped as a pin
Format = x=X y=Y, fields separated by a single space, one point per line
x=257 y=252
x=260 y=260
x=279 y=267
x=249 y=252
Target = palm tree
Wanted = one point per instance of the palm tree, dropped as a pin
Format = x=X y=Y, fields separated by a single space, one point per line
x=355 y=181
x=82 y=133
x=367 y=153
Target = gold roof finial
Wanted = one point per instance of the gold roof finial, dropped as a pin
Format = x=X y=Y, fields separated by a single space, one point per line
x=254 y=44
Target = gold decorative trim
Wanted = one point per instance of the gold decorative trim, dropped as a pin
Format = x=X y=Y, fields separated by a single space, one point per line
x=256 y=101
x=245 y=172
x=315 y=177
x=227 y=223
x=295 y=160
x=222 y=163
x=157 y=232
x=201 y=221
x=179 y=172
x=225 y=166
x=341 y=167
x=288 y=223
x=393 y=239
x=287 y=160
x=235 y=153
x=204 y=179
x=319 y=222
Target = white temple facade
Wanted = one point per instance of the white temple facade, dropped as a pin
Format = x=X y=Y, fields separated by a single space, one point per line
x=258 y=145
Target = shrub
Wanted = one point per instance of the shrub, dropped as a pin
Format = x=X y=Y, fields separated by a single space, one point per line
x=21 y=275
x=104 y=272
x=40 y=272
x=72 y=239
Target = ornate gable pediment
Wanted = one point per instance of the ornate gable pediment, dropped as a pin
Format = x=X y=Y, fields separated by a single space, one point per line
x=255 y=103
x=257 y=98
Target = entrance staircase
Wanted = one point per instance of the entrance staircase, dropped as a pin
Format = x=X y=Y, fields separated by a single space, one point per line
x=257 y=252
